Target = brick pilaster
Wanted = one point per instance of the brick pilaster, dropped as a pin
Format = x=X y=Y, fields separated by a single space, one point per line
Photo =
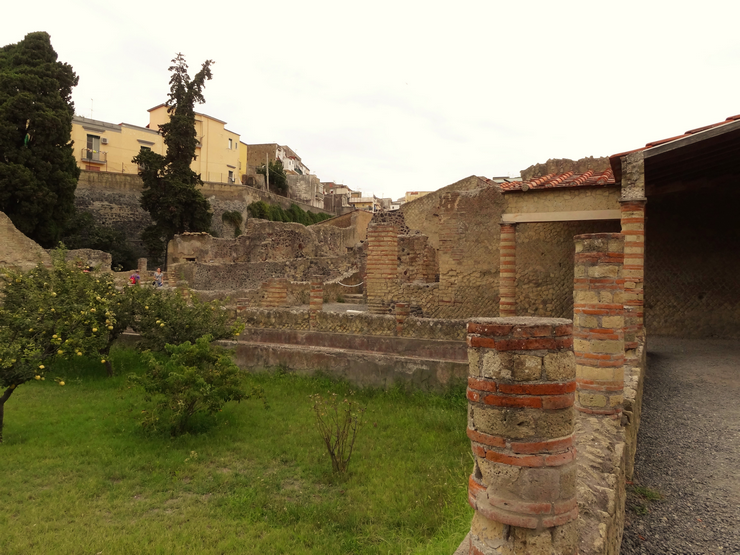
x=382 y=266
x=507 y=271
x=633 y=229
x=598 y=322
x=521 y=420
x=141 y=266
x=275 y=292
x=402 y=312
x=316 y=299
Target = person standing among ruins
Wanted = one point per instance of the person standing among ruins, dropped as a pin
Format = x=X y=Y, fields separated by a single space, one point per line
x=158 y=277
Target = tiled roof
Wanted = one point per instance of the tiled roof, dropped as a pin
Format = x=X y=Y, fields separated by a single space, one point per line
x=556 y=181
x=668 y=140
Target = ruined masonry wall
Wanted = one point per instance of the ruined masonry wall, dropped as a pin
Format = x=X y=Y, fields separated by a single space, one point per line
x=544 y=273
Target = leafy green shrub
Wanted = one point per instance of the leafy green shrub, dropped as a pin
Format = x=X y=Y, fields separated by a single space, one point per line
x=194 y=378
x=338 y=422
x=276 y=213
x=168 y=317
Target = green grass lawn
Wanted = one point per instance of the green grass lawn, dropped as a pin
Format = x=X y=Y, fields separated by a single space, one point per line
x=79 y=475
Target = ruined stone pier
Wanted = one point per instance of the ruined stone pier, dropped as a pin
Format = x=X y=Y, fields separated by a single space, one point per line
x=598 y=322
x=521 y=422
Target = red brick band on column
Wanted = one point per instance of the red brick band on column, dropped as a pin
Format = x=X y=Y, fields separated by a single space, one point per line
x=315 y=300
x=507 y=271
x=598 y=322
x=633 y=229
x=382 y=267
x=402 y=312
x=521 y=390
x=275 y=292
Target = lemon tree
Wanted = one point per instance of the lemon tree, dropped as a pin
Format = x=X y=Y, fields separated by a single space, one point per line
x=52 y=312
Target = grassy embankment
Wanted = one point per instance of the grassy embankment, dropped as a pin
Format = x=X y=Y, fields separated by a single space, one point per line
x=79 y=475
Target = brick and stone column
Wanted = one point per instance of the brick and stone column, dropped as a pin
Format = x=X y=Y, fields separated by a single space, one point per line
x=141 y=266
x=507 y=271
x=315 y=299
x=521 y=423
x=598 y=322
x=382 y=266
x=402 y=312
x=275 y=292
x=633 y=229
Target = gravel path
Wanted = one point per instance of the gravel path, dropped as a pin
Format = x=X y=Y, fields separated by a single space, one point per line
x=688 y=451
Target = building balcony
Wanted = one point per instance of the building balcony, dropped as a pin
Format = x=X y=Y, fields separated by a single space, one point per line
x=94 y=156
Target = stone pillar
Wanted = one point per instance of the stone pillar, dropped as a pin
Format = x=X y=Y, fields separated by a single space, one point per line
x=521 y=425
x=141 y=265
x=382 y=267
x=402 y=312
x=633 y=229
x=275 y=292
x=315 y=299
x=507 y=271
x=598 y=322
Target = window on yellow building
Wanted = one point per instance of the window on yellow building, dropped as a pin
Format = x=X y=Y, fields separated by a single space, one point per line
x=230 y=144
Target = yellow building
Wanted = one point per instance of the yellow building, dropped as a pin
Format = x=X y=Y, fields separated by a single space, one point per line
x=218 y=156
x=102 y=146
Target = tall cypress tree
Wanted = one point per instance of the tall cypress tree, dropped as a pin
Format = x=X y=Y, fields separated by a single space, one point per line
x=38 y=172
x=169 y=193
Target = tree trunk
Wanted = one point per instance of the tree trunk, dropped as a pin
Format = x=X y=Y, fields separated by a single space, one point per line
x=5 y=397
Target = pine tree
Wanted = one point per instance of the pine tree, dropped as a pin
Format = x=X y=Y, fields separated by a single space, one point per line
x=170 y=193
x=38 y=171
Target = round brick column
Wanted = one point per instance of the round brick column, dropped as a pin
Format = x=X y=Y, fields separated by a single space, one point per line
x=633 y=229
x=598 y=322
x=507 y=271
x=316 y=299
x=521 y=420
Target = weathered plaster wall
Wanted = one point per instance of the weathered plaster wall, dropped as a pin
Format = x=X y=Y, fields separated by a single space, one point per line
x=563 y=200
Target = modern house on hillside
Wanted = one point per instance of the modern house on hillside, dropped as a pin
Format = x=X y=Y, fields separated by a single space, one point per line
x=109 y=147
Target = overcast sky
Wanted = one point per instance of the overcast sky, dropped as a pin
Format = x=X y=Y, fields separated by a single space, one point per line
x=395 y=96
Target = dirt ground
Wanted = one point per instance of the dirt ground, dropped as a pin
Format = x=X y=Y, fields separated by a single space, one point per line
x=685 y=498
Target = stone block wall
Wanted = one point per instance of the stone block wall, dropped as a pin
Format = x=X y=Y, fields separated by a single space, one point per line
x=358 y=324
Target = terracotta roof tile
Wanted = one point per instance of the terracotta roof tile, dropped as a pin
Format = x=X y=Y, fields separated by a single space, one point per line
x=614 y=158
x=558 y=181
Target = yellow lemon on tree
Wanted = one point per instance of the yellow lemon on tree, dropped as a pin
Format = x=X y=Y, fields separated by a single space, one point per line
x=61 y=383
x=37 y=377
